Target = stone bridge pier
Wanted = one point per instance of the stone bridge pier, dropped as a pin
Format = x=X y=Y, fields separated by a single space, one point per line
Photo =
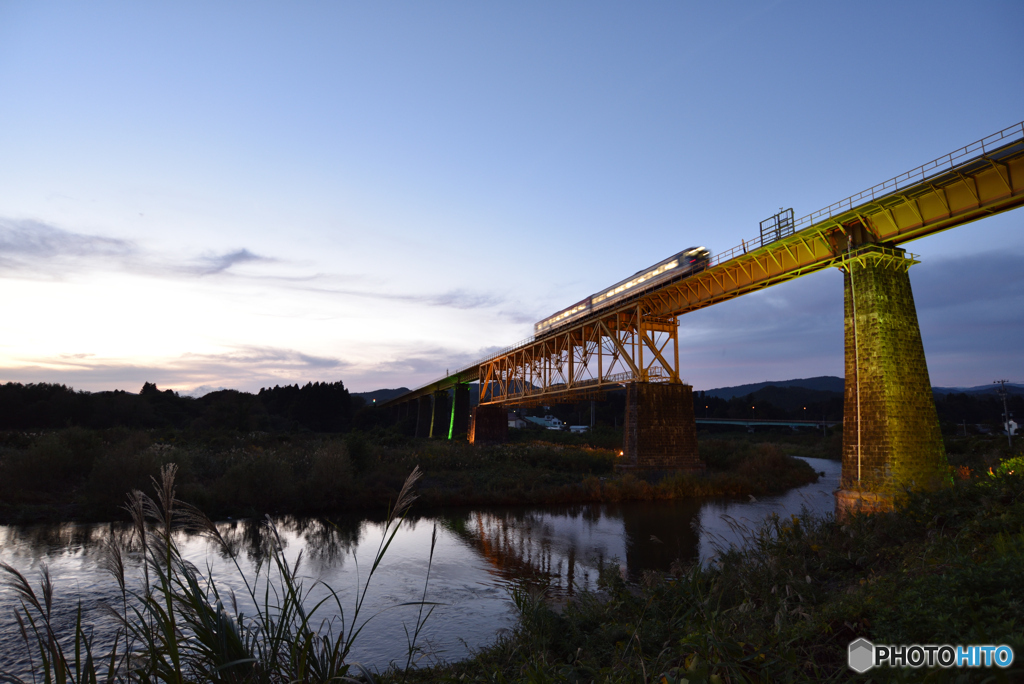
x=488 y=424
x=660 y=429
x=424 y=414
x=891 y=437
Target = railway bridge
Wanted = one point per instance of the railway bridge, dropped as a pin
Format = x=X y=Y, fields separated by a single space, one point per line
x=891 y=438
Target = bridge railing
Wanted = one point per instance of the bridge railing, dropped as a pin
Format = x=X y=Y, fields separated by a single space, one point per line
x=921 y=173
x=917 y=175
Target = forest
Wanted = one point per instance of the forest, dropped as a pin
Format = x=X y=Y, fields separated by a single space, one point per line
x=316 y=407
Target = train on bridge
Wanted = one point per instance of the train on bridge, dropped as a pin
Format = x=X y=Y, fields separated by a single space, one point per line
x=689 y=261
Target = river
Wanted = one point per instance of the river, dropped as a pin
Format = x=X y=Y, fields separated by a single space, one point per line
x=479 y=554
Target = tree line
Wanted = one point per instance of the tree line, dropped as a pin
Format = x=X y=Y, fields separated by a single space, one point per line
x=316 y=406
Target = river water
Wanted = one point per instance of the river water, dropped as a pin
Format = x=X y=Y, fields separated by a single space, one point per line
x=479 y=555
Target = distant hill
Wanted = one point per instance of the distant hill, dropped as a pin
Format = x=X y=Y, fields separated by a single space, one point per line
x=824 y=384
x=380 y=395
x=789 y=393
x=1011 y=388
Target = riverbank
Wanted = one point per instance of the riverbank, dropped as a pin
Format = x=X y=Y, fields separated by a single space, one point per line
x=83 y=475
x=946 y=568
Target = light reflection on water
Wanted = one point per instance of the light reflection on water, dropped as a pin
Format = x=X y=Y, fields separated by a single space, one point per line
x=479 y=554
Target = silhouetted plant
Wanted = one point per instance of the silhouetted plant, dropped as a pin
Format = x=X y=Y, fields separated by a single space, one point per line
x=179 y=627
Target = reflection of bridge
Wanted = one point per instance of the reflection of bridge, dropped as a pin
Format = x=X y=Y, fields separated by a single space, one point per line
x=564 y=549
x=892 y=438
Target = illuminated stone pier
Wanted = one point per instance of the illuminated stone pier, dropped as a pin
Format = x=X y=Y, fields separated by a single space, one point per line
x=459 y=423
x=891 y=437
x=660 y=430
x=488 y=424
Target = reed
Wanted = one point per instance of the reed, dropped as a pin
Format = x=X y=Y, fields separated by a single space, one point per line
x=180 y=627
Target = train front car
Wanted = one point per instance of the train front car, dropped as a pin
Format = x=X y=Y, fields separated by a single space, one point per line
x=690 y=260
x=696 y=258
x=577 y=310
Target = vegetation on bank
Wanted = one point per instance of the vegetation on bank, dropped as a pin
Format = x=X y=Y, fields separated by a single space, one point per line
x=76 y=473
x=946 y=568
x=179 y=626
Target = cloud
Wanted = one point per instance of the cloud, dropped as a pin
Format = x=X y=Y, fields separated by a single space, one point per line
x=968 y=308
x=39 y=249
x=32 y=246
x=34 y=249
x=414 y=367
x=984 y=278
x=245 y=368
x=218 y=264
x=454 y=299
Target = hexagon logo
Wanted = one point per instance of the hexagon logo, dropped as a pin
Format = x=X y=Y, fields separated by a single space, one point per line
x=861 y=657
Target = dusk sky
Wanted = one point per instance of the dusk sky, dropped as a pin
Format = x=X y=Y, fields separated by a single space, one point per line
x=240 y=195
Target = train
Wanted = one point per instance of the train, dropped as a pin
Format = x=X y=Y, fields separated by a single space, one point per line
x=689 y=261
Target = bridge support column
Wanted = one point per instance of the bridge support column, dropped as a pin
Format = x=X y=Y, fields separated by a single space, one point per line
x=891 y=437
x=660 y=430
x=459 y=424
x=441 y=415
x=489 y=423
x=424 y=410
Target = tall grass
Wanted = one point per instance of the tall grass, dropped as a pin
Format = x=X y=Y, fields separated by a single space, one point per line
x=946 y=566
x=180 y=627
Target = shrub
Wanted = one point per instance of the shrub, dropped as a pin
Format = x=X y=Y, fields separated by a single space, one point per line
x=127 y=465
x=330 y=477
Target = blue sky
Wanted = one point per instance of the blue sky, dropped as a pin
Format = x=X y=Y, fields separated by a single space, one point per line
x=250 y=194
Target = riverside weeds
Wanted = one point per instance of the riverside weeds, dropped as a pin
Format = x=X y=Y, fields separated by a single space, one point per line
x=78 y=474
x=178 y=628
x=946 y=567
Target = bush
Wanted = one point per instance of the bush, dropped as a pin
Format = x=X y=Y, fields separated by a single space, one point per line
x=127 y=465
x=330 y=477
x=259 y=480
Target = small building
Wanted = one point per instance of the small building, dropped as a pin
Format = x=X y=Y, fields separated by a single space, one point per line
x=549 y=422
x=515 y=421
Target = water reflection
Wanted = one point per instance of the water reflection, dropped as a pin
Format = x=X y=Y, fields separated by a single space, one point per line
x=479 y=553
x=565 y=548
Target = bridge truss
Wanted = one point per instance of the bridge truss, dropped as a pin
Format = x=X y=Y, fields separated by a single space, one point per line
x=584 y=360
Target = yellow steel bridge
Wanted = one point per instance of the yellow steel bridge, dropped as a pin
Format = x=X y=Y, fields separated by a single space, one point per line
x=636 y=339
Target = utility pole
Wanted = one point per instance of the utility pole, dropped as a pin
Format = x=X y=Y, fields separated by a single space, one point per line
x=1006 y=411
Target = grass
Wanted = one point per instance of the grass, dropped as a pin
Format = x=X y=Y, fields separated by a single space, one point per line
x=78 y=474
x=178 y=626
x=947 y=567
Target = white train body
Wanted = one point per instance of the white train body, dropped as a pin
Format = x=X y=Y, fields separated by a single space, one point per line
x=684 y=263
